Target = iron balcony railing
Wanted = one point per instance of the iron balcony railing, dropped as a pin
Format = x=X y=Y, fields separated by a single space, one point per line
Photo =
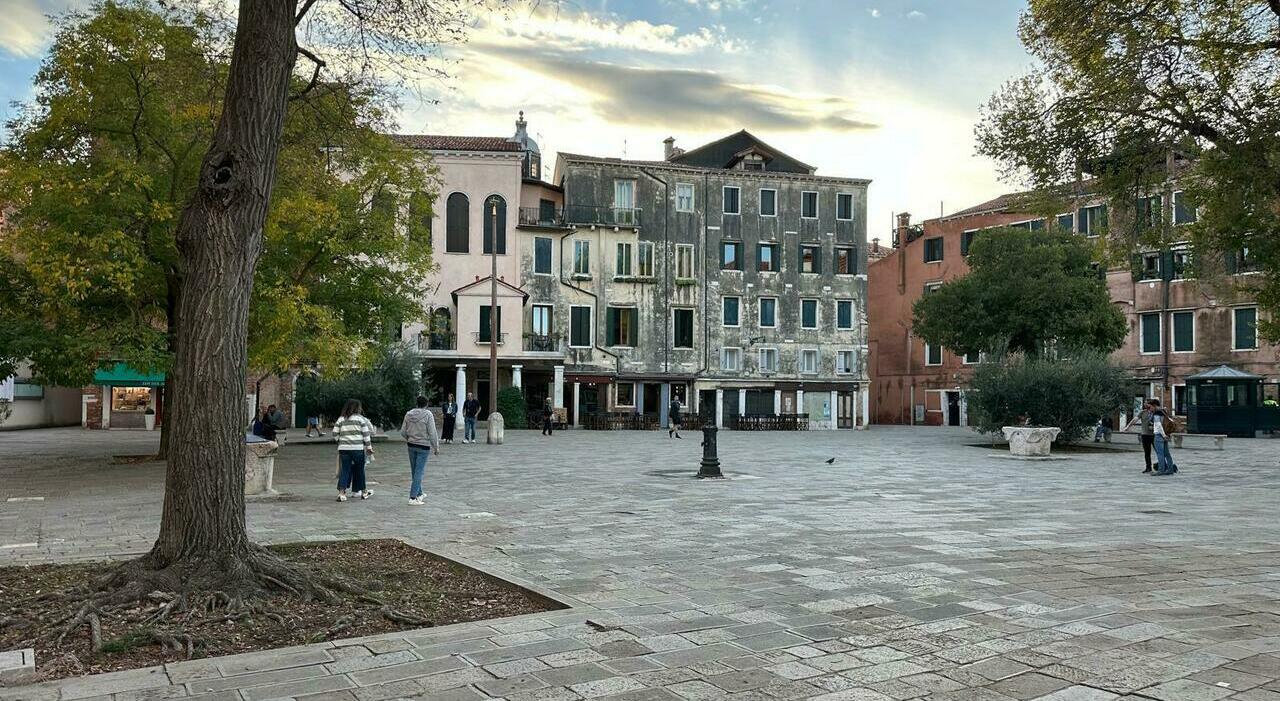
x=482 y=338
x=605 y=216
x=544 y=217
x=540 y=343
x=436 y=341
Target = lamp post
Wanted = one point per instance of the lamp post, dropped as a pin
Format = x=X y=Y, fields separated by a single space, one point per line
x=491 y=435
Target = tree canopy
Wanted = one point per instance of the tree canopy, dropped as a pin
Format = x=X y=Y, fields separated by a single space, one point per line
x=1026 y=291
x=1121 y=86
x=102 y=162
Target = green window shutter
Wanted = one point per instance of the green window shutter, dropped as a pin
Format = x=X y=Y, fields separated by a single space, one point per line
x=484 y=324
x=1183 y=331
x=611 y=326
x=1166 y=265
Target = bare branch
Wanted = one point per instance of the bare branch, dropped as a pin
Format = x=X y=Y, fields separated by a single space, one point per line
x=315 y=73
x=306 y=6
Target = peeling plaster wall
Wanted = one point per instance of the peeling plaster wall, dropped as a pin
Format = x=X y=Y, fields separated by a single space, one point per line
x=591 y=184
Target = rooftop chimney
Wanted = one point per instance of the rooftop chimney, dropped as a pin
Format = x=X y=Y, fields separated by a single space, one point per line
x=668 y=147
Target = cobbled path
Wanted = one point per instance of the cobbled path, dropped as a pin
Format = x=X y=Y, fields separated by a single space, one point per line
x=914 y=567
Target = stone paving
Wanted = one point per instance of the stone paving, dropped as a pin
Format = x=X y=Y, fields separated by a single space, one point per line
x=914 y=567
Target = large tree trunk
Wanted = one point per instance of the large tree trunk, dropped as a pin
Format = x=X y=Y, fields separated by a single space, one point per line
x=202 y=528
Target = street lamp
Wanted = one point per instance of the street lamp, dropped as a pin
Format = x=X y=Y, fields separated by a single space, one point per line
x=491 y=434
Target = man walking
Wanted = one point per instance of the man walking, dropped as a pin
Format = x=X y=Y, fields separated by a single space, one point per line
x=548 y=417
x=470 y=410
x=1148 y=436
x=419 y=431
x=673 y=417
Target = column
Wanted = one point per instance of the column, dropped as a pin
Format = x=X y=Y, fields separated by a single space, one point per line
x=800 y=401
x=638 y=394
x=853 y=405
x=835 y=411
x=719 y=408
x=460 y=385
x=516 y=379
x=777 y=402
x=866 y=403
x=664 y=401
x=742 y=402
x=557 y=388
x=577 y=410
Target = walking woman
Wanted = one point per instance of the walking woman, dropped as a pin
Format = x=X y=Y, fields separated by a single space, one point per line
x=450 y=411
x=1160 y=425
x=354 y=434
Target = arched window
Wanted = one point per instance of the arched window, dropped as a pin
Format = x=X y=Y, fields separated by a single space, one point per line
x=457 y=224
x=488 y=224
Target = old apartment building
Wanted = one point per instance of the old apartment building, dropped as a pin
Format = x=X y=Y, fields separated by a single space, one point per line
x=730 y=274
x=1179 y=325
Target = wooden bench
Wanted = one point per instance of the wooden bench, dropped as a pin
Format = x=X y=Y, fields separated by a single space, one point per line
x=1217 y=438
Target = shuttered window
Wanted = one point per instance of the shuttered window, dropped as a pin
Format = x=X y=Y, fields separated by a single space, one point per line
x=484 y=336
x=457 y=223
x=1150 y=333
x=580 y=327
x=1184 y=332
x=620 y=326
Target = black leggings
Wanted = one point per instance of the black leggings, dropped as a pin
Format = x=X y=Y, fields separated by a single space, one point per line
x=1147 y=442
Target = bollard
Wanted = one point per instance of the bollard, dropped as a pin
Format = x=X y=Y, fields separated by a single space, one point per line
x=710 y=466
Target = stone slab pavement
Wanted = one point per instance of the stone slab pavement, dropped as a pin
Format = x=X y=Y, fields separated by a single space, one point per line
x=914 y=567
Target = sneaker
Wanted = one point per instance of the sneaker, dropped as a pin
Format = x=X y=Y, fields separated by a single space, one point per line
x=342 y=497
x=366 y=494
x=416 y=501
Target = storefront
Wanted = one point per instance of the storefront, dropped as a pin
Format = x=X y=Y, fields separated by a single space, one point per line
x=122 y=397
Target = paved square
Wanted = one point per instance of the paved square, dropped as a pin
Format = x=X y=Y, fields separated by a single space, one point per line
x=913 y=567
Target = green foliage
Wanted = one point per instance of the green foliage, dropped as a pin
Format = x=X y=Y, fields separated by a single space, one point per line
x=1121 y=87
x=387 y=388
x=511 y=406
x=1026 y=291
x=1071 y=392
x=105 y=158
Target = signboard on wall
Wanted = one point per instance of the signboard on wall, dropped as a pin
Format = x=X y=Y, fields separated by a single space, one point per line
x=919 y=413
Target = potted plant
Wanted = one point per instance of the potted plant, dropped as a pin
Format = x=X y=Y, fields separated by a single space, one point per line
x=149 y=418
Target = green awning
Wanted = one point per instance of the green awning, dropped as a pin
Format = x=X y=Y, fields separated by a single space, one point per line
x=124 y=376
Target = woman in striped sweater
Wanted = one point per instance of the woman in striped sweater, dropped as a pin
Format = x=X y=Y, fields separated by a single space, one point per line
x=354 y=434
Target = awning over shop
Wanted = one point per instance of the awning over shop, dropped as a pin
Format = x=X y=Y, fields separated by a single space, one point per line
x=122 y=375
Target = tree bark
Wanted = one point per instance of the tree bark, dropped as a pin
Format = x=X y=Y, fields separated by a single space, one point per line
x=202 y=527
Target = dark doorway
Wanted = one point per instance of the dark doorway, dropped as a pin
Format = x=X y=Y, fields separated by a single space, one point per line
x=482 y=394
x=652 y=398
x=707 y=402
x=730 y=403
x=760 y=402
x=953 y=408
x=589 y=399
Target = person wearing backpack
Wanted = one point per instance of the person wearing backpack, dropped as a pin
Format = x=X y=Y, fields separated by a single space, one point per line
x=1162 y=426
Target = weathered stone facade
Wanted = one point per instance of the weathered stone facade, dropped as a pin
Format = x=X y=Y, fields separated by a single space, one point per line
x=650 y=250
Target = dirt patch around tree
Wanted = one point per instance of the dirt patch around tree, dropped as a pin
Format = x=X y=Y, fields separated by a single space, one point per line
x=407 y=588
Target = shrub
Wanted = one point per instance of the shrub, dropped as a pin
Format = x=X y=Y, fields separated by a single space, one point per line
x=511 y=406
x=387 y=389
x=1070 y=392
x=6 y=409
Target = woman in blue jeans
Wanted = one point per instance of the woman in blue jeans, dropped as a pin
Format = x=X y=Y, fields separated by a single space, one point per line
x=1164 y=459
x=354 y=434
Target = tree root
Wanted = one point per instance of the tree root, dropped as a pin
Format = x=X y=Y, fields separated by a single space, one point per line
x=405 y=618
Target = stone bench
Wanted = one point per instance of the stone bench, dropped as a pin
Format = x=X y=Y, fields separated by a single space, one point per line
x=1217 y=438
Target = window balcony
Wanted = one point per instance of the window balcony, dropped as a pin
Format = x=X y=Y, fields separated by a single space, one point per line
x=440 y=341
x=538 y=343
x=542 y=218
x=481 y=338
x=602 y=216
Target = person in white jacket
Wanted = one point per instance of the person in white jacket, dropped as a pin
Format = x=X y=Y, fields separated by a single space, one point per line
x=419 y=431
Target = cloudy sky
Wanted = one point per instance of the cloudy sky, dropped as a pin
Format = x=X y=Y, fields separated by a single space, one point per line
x=881 y=89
